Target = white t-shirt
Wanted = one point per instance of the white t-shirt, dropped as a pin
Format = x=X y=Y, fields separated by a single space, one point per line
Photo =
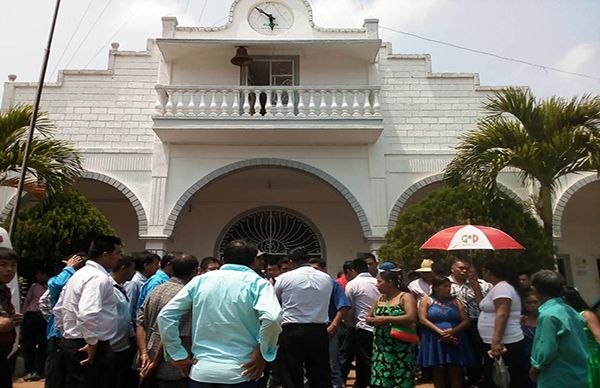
x=487 y=318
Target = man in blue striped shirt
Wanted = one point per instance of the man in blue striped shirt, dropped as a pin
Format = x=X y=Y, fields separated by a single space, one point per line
x=236 y=321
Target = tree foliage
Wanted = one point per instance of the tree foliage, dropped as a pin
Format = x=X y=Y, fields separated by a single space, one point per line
x=61 y=224
x=544 y=140
x=457 y=205
x=53 y=163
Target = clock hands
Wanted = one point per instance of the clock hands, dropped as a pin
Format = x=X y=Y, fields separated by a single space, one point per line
x=270 y=16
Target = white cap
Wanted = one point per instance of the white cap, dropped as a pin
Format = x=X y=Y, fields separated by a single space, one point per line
x=4 y=239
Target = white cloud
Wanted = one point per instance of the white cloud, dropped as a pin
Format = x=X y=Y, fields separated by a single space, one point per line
x=579 y=57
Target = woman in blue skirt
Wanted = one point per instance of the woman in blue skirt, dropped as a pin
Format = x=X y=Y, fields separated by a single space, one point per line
x=444 y=344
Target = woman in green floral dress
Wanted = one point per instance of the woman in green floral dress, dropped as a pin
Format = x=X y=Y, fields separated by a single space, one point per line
x=393 y=361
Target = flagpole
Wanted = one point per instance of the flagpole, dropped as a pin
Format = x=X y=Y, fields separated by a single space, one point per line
x=36 y=107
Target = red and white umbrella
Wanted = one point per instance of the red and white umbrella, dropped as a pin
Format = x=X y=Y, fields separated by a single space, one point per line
x=471 y=237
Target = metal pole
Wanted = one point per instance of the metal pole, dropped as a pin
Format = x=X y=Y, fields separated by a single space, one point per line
x=36 y=106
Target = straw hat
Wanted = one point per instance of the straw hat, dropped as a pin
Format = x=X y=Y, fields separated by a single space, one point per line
x=425 y=266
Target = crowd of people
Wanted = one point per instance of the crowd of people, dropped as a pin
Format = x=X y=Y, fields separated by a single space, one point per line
x=120 y=321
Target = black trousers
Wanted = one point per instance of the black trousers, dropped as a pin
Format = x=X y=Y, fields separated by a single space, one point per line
x=97 y=375
x=34 y=341
x=513 y=358
x=304 y=346
x=347 y=352
x=364 y=353
x=5 y=369
x=124 y=376
x=55 y=365
x=475 y=373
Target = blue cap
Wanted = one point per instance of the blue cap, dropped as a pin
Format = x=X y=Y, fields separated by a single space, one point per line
x=388 y=266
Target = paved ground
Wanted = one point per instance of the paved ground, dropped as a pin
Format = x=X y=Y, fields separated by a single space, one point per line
x=40 y=384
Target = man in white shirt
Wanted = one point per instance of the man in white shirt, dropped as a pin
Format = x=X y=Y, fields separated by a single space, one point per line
x=470 y=290
x=85 y=314
x=124 y=375
x=362 y=292
x=304 y=294
x=422 y=287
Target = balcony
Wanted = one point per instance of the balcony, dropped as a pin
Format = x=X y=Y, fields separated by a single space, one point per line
x=268 y=115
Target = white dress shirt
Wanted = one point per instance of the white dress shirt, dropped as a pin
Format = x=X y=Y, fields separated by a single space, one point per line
x=419 y=288
x=86 y=307
x=304 y=294
x=362 y=293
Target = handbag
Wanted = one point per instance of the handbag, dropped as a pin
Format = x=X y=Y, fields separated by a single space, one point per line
x=402 y=333
x=500 y=374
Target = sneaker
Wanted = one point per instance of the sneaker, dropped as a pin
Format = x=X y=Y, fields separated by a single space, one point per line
x=33 y=376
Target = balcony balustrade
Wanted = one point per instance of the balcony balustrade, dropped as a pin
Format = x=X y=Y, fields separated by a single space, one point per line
x=266 y=102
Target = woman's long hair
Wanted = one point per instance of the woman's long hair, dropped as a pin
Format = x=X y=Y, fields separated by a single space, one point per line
x=573 y=298
x=395 y=277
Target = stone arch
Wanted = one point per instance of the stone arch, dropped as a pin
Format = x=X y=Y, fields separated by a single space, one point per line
x=403 y=199
x=269 y=162
x=561 y=204
x=133 y=199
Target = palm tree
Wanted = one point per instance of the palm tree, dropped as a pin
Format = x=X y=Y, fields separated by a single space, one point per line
x=543 y=140
x=53 y=163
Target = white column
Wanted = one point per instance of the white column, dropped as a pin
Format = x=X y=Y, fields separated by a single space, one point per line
x=345 y=111
x=290 y=105
x=224 y=104
x=355 y=104
x=323 y=104
x=279 y=105
x=246 y=104
x=191 y=110
x=202 y=104
x=269 y=104
x=169 y=107
x=333 y=107
x=301 y=108
x=235 y=106
x=312 y=108
x=257 y=103
x=376 y=106
x=367 y=105
x=213 y=103
x=180 y=107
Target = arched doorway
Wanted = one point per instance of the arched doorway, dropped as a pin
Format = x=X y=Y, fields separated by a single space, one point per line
x=579 y=246
x=224 y=201
x=275 y=231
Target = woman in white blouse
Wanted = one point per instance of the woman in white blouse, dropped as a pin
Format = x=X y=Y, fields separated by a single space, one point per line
x=499 y=324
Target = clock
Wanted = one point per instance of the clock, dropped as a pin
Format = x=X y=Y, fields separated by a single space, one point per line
x=270 y=18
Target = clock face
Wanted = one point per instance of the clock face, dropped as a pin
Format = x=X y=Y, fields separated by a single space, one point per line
x=270 y=18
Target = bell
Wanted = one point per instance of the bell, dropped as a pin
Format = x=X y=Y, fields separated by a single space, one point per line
x=241 y=57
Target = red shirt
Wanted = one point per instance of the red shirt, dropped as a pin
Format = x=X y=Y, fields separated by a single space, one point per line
x=342 y=280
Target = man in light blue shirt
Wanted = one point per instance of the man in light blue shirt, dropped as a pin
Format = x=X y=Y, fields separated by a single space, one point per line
x=236 y=321
x=161 y=276
x=146 y=265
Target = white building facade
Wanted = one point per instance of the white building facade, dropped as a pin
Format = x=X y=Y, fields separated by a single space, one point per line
x=322 y=138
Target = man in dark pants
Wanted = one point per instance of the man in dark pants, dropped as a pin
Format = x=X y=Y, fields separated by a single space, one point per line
x=86 y=313
x=304 y=293
x=362 y=292
x=55 y=369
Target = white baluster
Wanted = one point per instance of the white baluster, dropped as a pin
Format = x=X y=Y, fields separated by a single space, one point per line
x=376 y=106
x=246 y=105
x=224 y=104
x=180 y=107
x=191 y=109
x=202 y=104
x=169 y=107
x=213 y=103
x=355 y=105
x=235 y=107
x=333 y=107
x=323 y=104
x=159 y=106
x=367 y=105
x=301 y=108
x=257 y=103
x=312 y=108
x=269 y=104
x=345 y=111
x=279 y=105
x=290 y=105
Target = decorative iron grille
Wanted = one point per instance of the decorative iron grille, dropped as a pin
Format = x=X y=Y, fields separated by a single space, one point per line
x=274 y=231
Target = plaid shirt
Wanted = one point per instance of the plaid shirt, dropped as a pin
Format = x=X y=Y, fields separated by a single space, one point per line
x=146 y=318
x=466 y=295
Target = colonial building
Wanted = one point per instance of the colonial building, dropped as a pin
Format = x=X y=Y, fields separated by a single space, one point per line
x=274 y=128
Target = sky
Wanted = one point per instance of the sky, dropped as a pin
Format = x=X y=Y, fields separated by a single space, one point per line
x=562 y=34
